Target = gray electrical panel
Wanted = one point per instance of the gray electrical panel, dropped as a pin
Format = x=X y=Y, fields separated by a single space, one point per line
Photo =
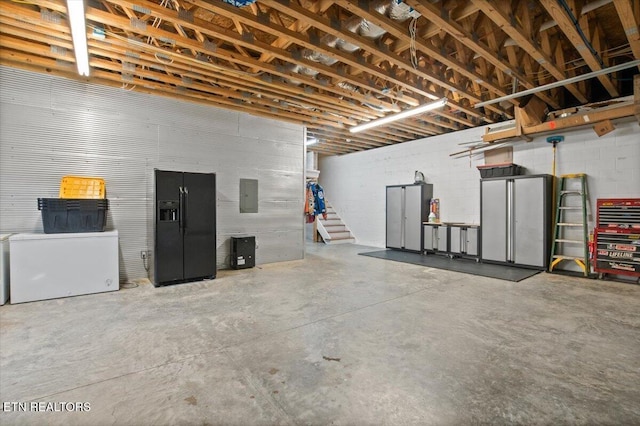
x=248 y=196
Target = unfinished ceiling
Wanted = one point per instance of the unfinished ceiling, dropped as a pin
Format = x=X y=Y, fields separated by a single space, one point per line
x=333 y=64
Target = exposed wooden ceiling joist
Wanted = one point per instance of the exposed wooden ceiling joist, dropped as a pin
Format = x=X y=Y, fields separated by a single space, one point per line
x=330 y=65
x=572 y=31
x=630 y=23
x=511 y=27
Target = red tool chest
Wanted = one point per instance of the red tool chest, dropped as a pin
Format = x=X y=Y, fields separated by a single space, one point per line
x=617 y=237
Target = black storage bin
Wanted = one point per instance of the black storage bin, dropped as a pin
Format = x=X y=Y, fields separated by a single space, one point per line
x=72 y=215
x=499 y=170
x=243 y=252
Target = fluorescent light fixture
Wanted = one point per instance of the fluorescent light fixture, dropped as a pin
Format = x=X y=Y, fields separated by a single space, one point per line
x=79 y=35
x=311 y=141
x=561 y=83
x=399 y=116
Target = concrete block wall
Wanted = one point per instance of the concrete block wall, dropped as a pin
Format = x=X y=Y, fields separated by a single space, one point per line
x=51 y=127
x=355 y=183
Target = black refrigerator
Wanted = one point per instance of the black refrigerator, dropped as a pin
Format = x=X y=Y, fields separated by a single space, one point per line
x=185 y=227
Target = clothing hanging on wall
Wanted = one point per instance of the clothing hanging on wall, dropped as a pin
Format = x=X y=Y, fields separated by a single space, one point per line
x=314 y=202
x=309 y=205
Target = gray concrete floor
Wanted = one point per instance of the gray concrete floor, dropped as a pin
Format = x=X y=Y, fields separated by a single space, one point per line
x=334 y=339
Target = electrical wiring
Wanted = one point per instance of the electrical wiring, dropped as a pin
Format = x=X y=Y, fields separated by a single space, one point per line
x=585 y=39
x=413 y=26
x=618 y=51
x=163 y=61
x=182 y=57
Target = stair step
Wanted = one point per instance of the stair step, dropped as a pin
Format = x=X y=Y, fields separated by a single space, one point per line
x=330 y=222
x=335 y=231
x=341 y=241
x=343 y=238
x=339 y=235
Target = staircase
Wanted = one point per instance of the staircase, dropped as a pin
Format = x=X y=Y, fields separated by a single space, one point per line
x=332 y=229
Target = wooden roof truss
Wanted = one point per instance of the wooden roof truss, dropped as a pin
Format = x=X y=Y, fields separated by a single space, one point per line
x=332 y=64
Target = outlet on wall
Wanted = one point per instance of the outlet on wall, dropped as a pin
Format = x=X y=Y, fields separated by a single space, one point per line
x=145 y=254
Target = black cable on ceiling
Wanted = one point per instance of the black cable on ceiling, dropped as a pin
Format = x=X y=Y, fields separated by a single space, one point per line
x=584 y=38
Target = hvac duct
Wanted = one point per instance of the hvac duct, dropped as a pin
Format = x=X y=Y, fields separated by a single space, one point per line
x=393 y=9
x=240 y=3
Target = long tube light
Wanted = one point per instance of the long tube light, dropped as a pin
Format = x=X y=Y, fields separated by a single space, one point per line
x=399 y=116
x=79 y=35
x=560 y=83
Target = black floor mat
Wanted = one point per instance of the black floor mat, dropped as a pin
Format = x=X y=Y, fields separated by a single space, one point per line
x=467 y=266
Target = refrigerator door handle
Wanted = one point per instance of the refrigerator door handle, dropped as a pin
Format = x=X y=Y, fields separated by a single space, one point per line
x=185 y=199
x=181 y=210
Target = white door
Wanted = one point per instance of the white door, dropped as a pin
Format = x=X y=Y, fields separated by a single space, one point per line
x=455 y=239
x=472 y=241
x=493 y=217
x=413 y=218
x=430 y=237
x=529 y=230
x=394 y=217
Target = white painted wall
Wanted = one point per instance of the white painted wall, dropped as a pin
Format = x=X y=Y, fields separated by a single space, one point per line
x=51 y=127
x=355 y=183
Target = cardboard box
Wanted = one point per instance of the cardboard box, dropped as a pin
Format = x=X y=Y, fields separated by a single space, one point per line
x=603 y=127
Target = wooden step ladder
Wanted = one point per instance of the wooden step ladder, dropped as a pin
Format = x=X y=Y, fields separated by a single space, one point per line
x=562 y=224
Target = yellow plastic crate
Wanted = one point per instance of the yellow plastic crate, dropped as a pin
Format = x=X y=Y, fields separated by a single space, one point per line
x=82 y=187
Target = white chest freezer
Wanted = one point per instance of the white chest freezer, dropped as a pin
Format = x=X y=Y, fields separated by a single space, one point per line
x=48 y=266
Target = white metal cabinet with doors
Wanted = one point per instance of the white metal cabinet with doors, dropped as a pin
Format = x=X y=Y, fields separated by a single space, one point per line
x=515 y=219
x=436 y=238
x=407 y=208
x=464 y=240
